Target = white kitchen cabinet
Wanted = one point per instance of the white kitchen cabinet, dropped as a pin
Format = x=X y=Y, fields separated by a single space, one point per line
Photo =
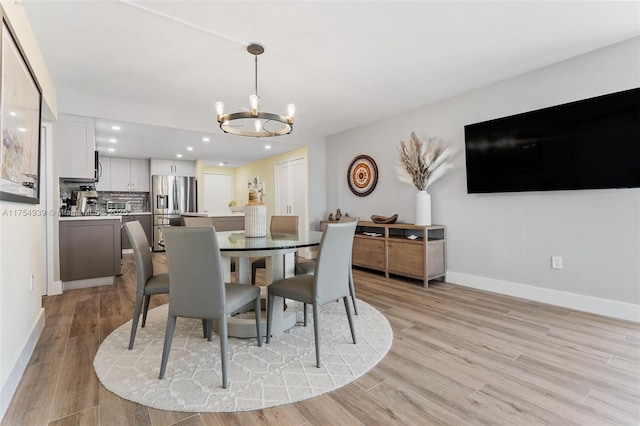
x=104 y=175
x=126 y=175
x=76 y=145
x=140 y=176
x=171 y=167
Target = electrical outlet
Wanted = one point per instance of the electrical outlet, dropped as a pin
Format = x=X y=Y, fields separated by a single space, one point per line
x=32 y=281
x=556 y=262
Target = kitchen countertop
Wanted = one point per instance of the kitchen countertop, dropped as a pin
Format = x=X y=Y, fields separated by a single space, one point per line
x=103 y=217
x=214 y=214
x=117 y=216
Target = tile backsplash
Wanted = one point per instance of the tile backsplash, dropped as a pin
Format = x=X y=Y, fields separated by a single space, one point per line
x=139 y=201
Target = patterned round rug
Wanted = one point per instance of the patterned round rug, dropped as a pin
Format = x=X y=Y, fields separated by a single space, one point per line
x=259 y=377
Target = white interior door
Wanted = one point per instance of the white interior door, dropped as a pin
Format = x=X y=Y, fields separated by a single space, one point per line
x=218 y=191
x=291 y=192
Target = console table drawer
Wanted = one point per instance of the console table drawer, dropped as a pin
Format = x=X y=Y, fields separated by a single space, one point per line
x=369 y=259
x=370 y=245
x=406 y=258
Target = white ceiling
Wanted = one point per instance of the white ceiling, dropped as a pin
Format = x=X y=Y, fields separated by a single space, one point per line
x=157 y=67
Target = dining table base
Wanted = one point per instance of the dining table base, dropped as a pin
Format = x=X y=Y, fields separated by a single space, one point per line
x=277 y=267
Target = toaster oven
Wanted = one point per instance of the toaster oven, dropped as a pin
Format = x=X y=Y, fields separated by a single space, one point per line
x=118 y=207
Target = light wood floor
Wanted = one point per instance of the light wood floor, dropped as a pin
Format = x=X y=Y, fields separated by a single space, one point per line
x=459 y=356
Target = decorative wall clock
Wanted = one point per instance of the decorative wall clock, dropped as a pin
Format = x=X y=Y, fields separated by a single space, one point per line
x=362 y=175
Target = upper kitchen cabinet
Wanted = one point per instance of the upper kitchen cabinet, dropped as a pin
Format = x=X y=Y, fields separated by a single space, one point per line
x=125 y=175
x=76 y=141
x=170 y=167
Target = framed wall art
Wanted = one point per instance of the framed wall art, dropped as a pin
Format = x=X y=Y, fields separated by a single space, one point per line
x=20 y=104
x=362 y=175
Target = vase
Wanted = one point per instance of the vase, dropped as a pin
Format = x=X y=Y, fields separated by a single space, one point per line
x=422 y=208
x=255 y=217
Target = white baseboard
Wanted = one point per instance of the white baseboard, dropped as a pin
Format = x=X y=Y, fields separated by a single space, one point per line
x=54 y=288
x=594 y=305
x=91 y=282
x=13 y=380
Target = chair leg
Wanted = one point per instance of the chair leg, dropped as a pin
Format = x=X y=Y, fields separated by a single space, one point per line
x=350 y=318
x=352 y=290
x=168 y=337
x=316 y=331
x=269 y=315
x=256 y=309
x=254 y=272
x=147 y=298
x=207 y=329
x=222 y=326
x=136 y=318
x=306 y=314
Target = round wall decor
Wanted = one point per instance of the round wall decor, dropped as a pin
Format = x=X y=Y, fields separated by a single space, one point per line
x=362 y=175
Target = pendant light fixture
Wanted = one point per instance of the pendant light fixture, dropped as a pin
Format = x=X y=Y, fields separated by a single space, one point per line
x=255 y=123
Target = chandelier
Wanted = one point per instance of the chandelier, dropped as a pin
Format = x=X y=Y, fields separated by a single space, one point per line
x=255 y=123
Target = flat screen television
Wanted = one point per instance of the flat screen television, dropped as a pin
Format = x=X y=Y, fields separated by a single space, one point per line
x=588 y=144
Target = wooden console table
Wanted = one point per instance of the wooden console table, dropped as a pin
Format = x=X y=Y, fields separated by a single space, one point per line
x=389 y=250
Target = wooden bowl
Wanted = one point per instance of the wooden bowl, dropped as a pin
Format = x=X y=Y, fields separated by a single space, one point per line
x=384 y=219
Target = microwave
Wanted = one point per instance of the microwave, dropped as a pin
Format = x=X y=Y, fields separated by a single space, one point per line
x=118 y=207
x=97 y=171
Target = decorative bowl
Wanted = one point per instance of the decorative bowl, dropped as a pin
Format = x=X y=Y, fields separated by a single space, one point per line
x=384 y=219
x=236 y=209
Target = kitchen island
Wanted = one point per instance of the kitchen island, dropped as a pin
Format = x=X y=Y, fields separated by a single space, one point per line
x=90 y=253
x=222 y=221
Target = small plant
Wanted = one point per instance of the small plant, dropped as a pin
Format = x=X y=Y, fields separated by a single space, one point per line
x=232 y=203
x=423 y=163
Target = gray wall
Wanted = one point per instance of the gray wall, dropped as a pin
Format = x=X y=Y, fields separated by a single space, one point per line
x=509 y=238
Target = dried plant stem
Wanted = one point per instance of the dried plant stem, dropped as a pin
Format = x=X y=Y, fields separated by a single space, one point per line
x=423 y=163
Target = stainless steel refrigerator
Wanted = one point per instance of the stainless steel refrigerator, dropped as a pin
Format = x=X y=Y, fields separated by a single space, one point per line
x=171 y=196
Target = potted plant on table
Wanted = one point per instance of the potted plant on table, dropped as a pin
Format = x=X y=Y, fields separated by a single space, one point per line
x=421 y=165
x=234 y=207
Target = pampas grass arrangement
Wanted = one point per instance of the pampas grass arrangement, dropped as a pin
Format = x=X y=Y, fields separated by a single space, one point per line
x=423 y=163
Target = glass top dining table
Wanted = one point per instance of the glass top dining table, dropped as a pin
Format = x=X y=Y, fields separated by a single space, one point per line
x=277 y=249
x=233 y=243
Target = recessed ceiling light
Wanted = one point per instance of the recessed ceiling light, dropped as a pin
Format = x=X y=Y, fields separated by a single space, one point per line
x=111 y=149
x=115 y=127
x=222 y=163
x=205 y=139
x=189 y=148
x=113 y=140
x=267 y=147
x=179 y=155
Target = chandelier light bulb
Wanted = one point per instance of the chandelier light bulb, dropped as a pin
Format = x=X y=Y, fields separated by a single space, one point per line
x=257 y=125
x=219 y=108
x=291 y=110
x=254 y=100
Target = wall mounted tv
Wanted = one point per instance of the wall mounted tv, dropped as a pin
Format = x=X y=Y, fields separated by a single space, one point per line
x=588 y=144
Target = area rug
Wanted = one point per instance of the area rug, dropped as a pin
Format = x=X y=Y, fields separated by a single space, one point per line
x=259 y=377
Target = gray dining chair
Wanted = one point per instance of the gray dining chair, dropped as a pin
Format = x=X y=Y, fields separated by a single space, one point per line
x=309 y=268
x=200 y=221
x=147 y=284
x=198 y=289
x=279 y=224
x=328 y=284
